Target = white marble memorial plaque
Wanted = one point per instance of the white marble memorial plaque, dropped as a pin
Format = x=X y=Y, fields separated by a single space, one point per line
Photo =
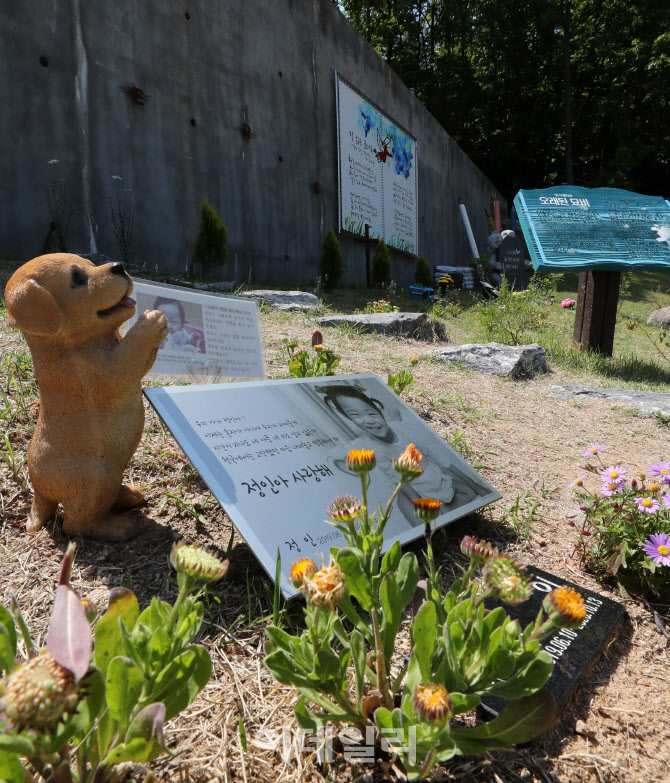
x=273 y=454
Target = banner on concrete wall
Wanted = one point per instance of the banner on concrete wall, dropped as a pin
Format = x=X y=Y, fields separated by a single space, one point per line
x=377 y=172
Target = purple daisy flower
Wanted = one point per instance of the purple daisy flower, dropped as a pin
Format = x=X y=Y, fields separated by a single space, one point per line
x=647 y=505
x=593 y=450
x=657 y=548
x=661 y=470
x=615 y=473
x=666 y=501
x=577 y=482
x=611 y=488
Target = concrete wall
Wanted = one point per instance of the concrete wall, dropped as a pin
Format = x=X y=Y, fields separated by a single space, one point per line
x=267 y=63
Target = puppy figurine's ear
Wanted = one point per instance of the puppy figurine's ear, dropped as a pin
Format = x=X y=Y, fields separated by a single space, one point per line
x=32 y=309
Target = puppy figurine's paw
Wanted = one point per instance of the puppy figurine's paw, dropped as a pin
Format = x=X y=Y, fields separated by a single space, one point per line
x=154 y=323
x=33 y=523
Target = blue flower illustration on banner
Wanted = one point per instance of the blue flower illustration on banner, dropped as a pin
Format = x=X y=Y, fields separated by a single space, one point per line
x=402 y=152
x=368 y=118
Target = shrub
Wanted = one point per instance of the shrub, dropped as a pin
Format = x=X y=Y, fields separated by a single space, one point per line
x=512 y=317
x=211 y=247
x=379 y=306
x=331 y=267
x=301 y=364
x=422 y=273
x=626 y=525
x=460 y=651
x=381 y=265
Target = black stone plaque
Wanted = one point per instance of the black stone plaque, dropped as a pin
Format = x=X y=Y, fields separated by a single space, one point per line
x=511 y=255
x=573 y=651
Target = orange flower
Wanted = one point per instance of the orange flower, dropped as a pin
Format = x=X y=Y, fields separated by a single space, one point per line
x=408 y=463
x=426 y=509
x=326 y=586
x=302 y=569
x=361 y=460
x=565 y=607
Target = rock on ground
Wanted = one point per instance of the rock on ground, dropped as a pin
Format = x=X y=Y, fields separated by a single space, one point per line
x=648 y=403
x=660 y=318
x=510 y=361
x=416 y=325
x=284 y=300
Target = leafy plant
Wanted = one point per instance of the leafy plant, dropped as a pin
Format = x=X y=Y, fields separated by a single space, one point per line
x=513 y=316
x=346 y=673
x=302 y=364
x=423 y=274
x=622 y=520
x=379 y=306
x=380 y=271
x=445 y=309
x=211 y=249
x=331 y=267
x=400 y=381
x=74 y=711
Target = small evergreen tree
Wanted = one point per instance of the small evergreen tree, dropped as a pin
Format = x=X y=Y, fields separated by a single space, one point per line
x=331 y=267
x=381 y=265
x=211 y=246
x=422 y=274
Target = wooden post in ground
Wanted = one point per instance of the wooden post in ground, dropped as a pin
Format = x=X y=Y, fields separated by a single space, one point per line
x=595 y=316
x=367 y=242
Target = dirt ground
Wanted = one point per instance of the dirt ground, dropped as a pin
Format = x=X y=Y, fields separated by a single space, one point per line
x=617 y=726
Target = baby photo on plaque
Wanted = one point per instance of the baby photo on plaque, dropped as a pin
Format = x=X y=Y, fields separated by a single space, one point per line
x=273 y=454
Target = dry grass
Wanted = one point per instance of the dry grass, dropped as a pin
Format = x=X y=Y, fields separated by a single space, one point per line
x=522 y=440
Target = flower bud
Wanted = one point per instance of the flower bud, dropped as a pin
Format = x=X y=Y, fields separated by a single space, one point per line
x=426 y=509
x=507 y=579
x=197 y=562
x=345 y=509
x=565 y=607
x=326 y=586
x=361 y=460
x=477 y=550
x=432 y=703
x=301 y=570
x=408 y=463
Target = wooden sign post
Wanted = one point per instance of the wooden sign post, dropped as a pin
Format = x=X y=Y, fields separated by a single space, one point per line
x=368 y=242
x=595 y=316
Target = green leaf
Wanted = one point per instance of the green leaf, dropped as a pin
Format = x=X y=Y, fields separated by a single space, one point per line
x=144 y=740
x=190 y=624
x=305 y=717
x=407 y=576
x=88 y=708
x=106 y=730
x=464 y=702
x=527 y=681
x=160 y=647
x=357 y=643
x=7 y=640
x=7 y=650
x=389 y=595
x=424 y=630
x=355 y=577
x=124 y=684
x=519 y=722
x=283 y=667
x=123 y=607
x=11 y=769
x=11 y=743
x=182 y=680
x=391 y=559
x=279 y=639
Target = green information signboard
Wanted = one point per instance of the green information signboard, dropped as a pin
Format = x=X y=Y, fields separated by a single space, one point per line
x=577 y=229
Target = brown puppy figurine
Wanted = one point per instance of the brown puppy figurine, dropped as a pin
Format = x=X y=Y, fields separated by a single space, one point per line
x=91 y=412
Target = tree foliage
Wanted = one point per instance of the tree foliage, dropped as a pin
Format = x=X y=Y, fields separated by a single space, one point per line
x=331 y=267
x=538 y=92
x=380 y=272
